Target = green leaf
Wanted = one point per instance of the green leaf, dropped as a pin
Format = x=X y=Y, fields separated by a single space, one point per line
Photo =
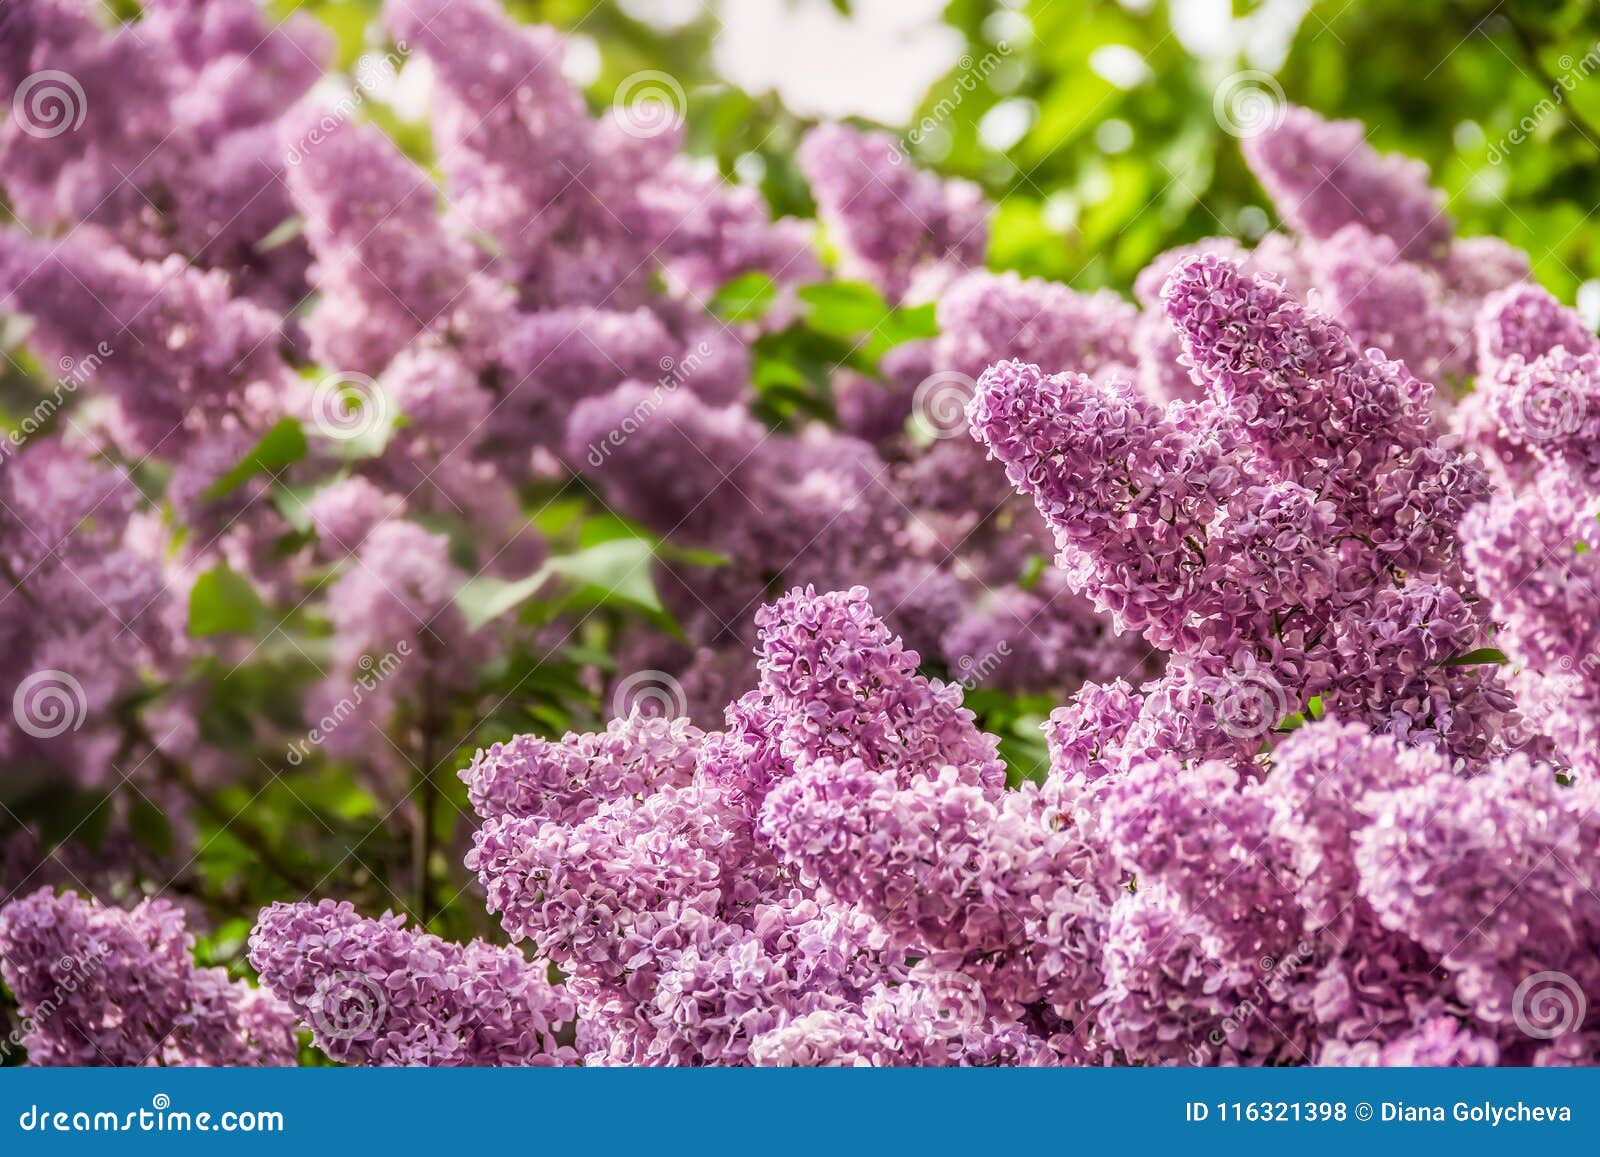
x=1482 y=657
x=772 y=373
x=223 y=603
x=611 y=572
x=610 y=527
x=691 y=556
x=279 y=447
x=843 y=308
x=150 y=826
x=857 y=313
x=1032 y=571
x=285 y=232
x=903 y=325
x=618 y=571
x=745 y=298
x=485 y=598
x=294 y=503
x=60 y=813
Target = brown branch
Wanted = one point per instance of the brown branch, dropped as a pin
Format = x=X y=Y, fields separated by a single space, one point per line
x=426 y=790
x=241 y=829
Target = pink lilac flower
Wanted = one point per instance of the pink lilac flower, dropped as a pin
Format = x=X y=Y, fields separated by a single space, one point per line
x=386 y=267
x=375 y=992
x=108 y=986
x=72 y=153
x=1543 y=412
x=398 y=633
x=1488 y=873
x=178 y=351
x=1533 y=555
x=1392 y=304
x=1324 y=175
x=987 y=317
x=890 y=220
x=1525 y=320
x=88 y=614
x=568 y=781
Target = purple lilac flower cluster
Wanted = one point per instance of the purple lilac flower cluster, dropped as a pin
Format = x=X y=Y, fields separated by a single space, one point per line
x=839 y=876
x=107 y=986
x=550 y=321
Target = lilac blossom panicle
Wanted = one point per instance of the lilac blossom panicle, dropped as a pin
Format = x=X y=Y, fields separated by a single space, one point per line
x=512 y=133
x=1324 y=175
x=1536 y=558
x=108 y=986
x=1528 y=322
x=396 y=597
x=1052 y=956
x=985 y=317
x=374 y=992
x=891 y=221
x=184 y=355
x=73 y=540
x=121 y=101
x=1295 y=810
x=570 y=780
x=175 y=110
x=1537 y=401
x=386 y=267
x=1224 y=529
x=1387 y=302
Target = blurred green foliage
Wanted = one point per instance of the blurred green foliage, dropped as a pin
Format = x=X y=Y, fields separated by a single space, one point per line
x=1108 y=173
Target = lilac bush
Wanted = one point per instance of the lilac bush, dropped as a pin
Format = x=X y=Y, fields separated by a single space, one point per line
x=848 y=653
x=104 y=986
